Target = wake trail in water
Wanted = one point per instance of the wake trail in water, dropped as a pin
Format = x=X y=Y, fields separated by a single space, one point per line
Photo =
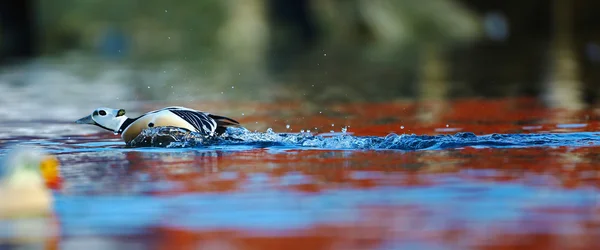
x=177 y=138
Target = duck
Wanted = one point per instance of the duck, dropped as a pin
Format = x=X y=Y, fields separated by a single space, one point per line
x=26 y=175
x=188 y=119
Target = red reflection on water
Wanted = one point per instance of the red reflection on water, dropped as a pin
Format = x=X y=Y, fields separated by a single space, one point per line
x=556 y=170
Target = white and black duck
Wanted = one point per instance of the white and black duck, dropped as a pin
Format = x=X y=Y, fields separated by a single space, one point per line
x=179 y=117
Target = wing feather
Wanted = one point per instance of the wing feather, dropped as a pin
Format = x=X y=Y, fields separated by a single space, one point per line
x=203 y=122
x=199 y=120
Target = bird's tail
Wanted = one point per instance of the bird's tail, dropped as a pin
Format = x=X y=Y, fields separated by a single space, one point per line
x=223 y=122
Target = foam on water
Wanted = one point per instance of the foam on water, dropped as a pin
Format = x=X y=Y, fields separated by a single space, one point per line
x=177 y=138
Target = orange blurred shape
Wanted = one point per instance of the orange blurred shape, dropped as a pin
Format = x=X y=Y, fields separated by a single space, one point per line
x=50 y=169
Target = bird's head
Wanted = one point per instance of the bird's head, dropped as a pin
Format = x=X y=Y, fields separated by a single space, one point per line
x=106 y=118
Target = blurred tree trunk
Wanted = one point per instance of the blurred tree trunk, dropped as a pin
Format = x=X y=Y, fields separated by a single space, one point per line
x=433 y=82
x=244 y=34
x=433 y=73
x=565 y=87
x=242 y=43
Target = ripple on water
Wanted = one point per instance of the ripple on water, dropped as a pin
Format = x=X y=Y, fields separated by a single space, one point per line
x=169 y=137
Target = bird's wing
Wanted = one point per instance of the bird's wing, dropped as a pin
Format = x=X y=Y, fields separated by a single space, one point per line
x=200 y=120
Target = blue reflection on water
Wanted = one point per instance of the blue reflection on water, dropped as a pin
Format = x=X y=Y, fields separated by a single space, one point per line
x=272 y=209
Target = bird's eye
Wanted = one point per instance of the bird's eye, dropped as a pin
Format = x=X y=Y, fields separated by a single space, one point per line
x=102 y=112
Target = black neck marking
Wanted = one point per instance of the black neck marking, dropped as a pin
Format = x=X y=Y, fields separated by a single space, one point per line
x=126 y=124
x=95 y=123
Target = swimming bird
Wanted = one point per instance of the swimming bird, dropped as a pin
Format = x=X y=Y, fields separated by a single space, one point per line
x=129 y=128
x=26 y=173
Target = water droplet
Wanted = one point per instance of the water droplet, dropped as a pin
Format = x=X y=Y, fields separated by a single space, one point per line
x=221 y=92
x=165 y=71
x=270 y=130
x=233 y=87
x=148 y=86
x=332 y=124
x=344 y=129
x=331 y=131
x=324 y=54
x=447 y=125
x=169 y=38
x=242 y=113
x=165 y=11
x=302 y=131
x=401 y=127
x=287 y=126
x=320 y=112
x=308 y=131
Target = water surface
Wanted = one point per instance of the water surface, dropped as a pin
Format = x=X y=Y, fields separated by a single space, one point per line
x=503 y=174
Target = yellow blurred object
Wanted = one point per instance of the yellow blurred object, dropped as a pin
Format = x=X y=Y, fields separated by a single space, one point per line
x=27 y=173
x=26 y=214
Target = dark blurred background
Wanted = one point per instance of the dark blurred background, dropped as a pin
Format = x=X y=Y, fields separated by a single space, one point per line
x=320 y=50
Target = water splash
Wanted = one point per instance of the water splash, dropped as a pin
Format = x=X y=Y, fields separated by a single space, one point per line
x=178 y=138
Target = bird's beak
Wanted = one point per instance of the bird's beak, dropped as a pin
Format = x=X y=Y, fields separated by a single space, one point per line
x=49 y=167
x=86 y=120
